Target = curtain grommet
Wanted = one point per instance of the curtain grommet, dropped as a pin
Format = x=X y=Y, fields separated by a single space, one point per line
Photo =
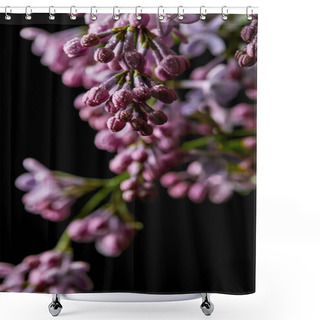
x=73 y=11
x=52 y=11
x=224 y=13
x=115 y=15
x=28 y=11
x=6 y=14
x=93 y=17
x=138 y=15
x=160 y=15
x=203 y=13
x=180 y=12
x=249 y=15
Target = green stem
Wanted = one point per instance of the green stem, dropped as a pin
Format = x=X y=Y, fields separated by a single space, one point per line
x=196 y=143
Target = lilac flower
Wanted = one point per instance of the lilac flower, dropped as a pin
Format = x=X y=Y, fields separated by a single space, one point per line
x=46 y=194
x=112 y=236
x=247 y=56
x=208 y=177
x=201 y=36
x=49 y=272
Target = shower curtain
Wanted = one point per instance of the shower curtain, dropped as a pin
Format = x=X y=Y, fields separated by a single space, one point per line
x=128 y=153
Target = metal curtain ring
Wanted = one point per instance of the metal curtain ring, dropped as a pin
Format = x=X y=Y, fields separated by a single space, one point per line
x=6 y=15
x=249 y=15
x=28 y=13
x=72 y=14
x=203 y=13
x=52 y=11
x=160 y=15
x=116 y=15
x=224 y=13
x=138 y=16
x=93 y=17
x=180 y=14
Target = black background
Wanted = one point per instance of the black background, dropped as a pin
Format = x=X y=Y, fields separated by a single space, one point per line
x=183 y=248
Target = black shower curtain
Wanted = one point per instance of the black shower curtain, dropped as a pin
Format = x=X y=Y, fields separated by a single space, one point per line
x=183 y=247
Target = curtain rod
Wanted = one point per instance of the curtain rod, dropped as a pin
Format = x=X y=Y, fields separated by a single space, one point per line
x=141 y=9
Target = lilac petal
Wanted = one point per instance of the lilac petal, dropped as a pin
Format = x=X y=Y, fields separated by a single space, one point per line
x=193 y=29
x=225 y=91
x=33 y=165
x=5 y=269
x=220 y=193
x=80 y=266
x=194 y=47
x=80 y=281
x=216 y=45
x=215 y=24
x=25 y=182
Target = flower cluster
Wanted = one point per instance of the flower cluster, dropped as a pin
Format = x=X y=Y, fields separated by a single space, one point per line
x=111 y=235
x=49 y=272
x=48 y=195
x=247 y=56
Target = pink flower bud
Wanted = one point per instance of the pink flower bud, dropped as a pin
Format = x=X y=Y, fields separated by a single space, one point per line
x=141 y=94
x=109 y=107
x=103 y=55
x=129 y=195
x=120 y=162
x=174 y=65
x=163 y=93
x=95 y=96
x=78 y=231
x=146 y=130
x=73 y=48
x=115 y=125
x=179 y=190
x=90 y=40
x=157 y=117
x=132 y=60
x=162 y=74
x=129 y=184
x=114 y=65
x=252 y=49
x=98 y=225
x=124 y=115
x=139 y=155
x=197 y=192
x=122 y=98
x=248 y=32
x=51 y=258
x=72 y=77
x=169 y=179
x=244 y=60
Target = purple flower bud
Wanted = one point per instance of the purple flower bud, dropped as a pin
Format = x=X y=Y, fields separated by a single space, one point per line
x=115 y=125
x=141 y=94
x=139 y=155
x=252 y=49
x=113 y=244
x=120 y=162
x=122 y=98
x=174 y=65
x=244 y=60
x=109 y=107
x=162 y=74
x=95 y=96
x=179 y=190
x=197 y=192
x=249 y=142
x=73 y=48
x=103 y=55
x=90 y=40
x=248 y=32
x=124 y=115
x=129 y=195
x=132 y=60
x=98 y=225
x=78 y=231
x=73 y=77
x=129 y=184
x=148 y=192
x=163 y=93
x=146 y=130
x=31 y=261
x=51 y=258
x=170 y=179
x=114 y=65
x=145 y=18
x=158 y=117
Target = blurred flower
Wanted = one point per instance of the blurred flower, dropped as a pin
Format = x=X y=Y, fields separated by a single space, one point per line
x=49 y=272
x=201 y=36
x=46 y=194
